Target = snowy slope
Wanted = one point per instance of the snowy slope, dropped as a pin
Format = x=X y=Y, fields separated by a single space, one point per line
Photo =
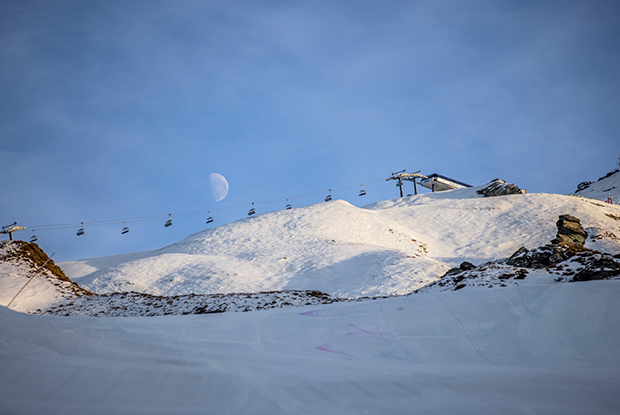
x=390 y=247
x=460 y=225
x=502 y=345
x=551 y=349
x=607 y=186
x=331 y=247
x=37 y=287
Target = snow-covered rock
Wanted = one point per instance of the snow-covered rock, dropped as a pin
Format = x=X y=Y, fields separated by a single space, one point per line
x=544 y=265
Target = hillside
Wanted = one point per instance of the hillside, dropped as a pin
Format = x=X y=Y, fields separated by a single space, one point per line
x=516 y=337
x=387 y=248
x=331 y=247
x=22 y=263
x=604 y=188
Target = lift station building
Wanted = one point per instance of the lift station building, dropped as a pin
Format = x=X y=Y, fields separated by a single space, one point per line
x=437 y=182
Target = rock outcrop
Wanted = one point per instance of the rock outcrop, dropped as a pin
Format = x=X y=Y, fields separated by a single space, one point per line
x=570 y=232
x=499 y=187
x=599 y=268
x=13 y=251
x=465 y=266
x=570 y=238
x=540 y=257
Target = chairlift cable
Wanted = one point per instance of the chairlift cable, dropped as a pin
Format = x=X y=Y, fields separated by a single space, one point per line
x=62 y=226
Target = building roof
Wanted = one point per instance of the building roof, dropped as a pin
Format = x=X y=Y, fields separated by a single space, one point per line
x=438 y=182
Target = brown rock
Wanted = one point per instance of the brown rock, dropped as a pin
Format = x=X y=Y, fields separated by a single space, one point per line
x=570 y=232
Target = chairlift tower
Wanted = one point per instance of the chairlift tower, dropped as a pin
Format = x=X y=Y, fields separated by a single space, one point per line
x=401 y=175
x=10 y=229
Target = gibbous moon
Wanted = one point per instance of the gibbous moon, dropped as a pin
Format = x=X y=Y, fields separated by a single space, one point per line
x=219 y=186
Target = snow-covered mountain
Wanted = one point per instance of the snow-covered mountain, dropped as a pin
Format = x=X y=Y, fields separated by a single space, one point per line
x=331 y=247
x=387 y=248
x=510 y=340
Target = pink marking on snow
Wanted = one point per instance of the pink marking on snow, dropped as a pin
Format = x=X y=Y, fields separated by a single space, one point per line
x=378 y=334
x=317 y=313
x=361 y=330
x=327 y=348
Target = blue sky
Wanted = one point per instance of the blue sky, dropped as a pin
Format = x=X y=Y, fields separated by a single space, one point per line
x=116 y=110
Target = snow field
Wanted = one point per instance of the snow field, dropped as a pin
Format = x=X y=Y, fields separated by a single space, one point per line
x=532 y=347
x=535 y=349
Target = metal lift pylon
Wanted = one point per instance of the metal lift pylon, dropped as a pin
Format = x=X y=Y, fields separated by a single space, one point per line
x=11 y=228
x=401 y=175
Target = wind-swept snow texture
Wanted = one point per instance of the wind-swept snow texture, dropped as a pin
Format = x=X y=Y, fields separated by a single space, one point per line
x=546 y=349
x=388 y=248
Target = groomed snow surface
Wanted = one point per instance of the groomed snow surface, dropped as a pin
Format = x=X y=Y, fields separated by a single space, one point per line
x=533 y=347
x=547 y=349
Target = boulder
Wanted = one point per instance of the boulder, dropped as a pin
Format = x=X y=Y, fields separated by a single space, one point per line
x=570 y=232
x=582 y=186
x=540 y=257
x=465 y=266
x=600 y=268
x=499 y=187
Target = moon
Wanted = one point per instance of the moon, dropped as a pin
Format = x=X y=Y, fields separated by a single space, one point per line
x=219 y=186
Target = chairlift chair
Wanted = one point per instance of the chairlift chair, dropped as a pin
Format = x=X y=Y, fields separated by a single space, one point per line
x=329 y=196
x=34 y=237
x=362 y=192
x=169 y=221
x=210 y=219
x=252 y=211
x=125 y=229
x=288 y=205
x=81 y=230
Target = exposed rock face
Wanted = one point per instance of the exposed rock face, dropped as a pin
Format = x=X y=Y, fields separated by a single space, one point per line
x=499 y=187
x=20 y=250
x=569 y=239
x=570 y=232
x=565 y=260
x=465 y=266
x=582 y=186
x=600 y=268
x=540 y=257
